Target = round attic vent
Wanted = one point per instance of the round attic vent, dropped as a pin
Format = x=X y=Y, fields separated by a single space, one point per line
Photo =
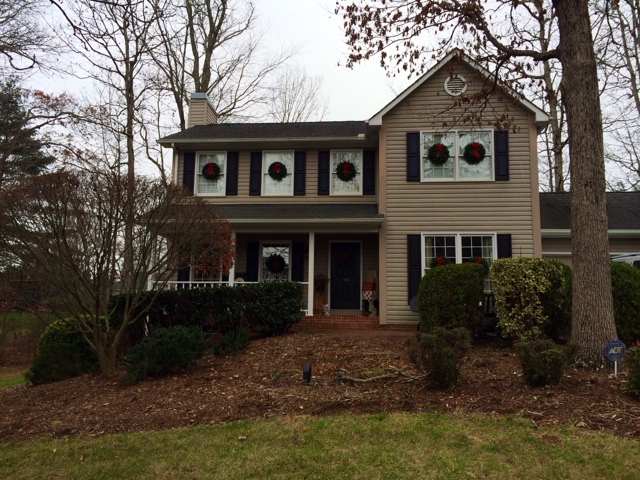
x=455 y=85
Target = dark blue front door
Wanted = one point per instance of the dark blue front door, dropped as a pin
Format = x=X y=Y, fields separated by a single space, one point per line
x=345 y=276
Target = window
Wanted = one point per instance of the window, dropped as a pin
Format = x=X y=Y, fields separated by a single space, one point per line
x=211 y=186
x=456 y=168
x=349 y=180
x=458 y=248
x=279 y=162
x=275 y=262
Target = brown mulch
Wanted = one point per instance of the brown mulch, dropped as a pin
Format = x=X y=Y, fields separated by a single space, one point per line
x=244 y=386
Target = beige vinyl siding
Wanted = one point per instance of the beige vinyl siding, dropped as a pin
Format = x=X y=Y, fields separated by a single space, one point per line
x=311 y=195
x=451 y=207
x=559 y=248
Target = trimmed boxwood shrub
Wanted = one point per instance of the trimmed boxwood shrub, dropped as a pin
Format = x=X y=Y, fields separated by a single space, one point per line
x=632 y=360
x=451 y=296
x=543 y=362
x=625 y=282
x=62 y=353
x=164 y=351
x=271 y=308
x=532 y=297
x=439 y=354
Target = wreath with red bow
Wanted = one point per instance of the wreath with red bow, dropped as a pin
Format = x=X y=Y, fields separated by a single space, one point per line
x=211 y=171
x=346 y=171
x=277 y=171
x=276 y=263
x=474 y=153
x=439 y=261
x=438 y=154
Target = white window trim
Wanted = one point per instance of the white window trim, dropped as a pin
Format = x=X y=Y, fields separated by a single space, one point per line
x=332 y=172
x=198 y=174
x=265 y=173
x=458 y=236
x=456 y=149
x=289 y=243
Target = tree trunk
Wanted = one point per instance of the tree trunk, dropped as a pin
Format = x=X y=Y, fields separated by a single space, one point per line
x=592 y=321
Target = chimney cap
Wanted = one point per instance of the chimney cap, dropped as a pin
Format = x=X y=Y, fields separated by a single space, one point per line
x=198 y=95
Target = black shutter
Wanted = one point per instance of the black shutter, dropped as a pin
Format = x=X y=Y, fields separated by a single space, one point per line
x=253 y=261
x=501 y=143
x=297 y=261
x=504 y=245
x=255 y=174
x=414 y=265
x=323 y=173
x=369 y=172
x=300 y=173
x=413 y=156
x=232 y=173
x=188 y=173
x=184 y=273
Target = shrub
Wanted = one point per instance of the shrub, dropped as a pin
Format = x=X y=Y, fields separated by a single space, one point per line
x=271 y=308
x=63 y=352
x=164 y=351
x=543 y=362
x=232 y=341
x=450 y=296
x=439 y=353
x=632 y=385
x=532 y=297
x=625 y=283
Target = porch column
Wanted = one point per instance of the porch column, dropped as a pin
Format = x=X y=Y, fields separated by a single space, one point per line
x=232 y=270
x=311 y=273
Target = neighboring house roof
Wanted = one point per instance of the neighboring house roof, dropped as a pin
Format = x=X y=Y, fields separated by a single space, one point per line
x=623 y=212
x=252 y=132
x=542 y=119
x=301 y=213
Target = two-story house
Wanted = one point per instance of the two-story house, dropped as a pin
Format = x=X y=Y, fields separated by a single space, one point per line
x=370 y=205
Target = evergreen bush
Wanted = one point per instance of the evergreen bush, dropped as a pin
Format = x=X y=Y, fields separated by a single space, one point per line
x=232 y=341
x=625 y=283
x=271 y=308
x=632 y=359
x=543 y=362
x=164 y=351
x=532 y=297
x=450 y=296
x=63 y=352
x=439 y=354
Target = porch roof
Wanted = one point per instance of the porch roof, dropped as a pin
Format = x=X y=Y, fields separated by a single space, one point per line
x=302 y=213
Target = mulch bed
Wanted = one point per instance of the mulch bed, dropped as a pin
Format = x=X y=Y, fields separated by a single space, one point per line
x=245 y=386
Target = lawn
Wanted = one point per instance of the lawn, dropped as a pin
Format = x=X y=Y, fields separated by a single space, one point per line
x=381 y=446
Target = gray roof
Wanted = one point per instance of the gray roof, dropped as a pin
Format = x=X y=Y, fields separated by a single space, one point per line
x=301 y=212
x=623 y=211
x=302 y=130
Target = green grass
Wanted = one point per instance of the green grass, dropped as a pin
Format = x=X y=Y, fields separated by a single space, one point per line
x=21 y=323
x=382 y=446
x=11 y=379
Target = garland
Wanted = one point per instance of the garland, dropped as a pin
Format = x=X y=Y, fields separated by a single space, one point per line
x=346 y=171
x=438 y=154
x=474 y=153
x=275 y=263
x=211 y=171
x=277 y=171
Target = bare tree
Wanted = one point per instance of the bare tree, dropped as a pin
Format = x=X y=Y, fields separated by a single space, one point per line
x=213 y=47
x=24 y=43
x=377 y=28
x=297 y=97
x=619 y=60
x=72 y=226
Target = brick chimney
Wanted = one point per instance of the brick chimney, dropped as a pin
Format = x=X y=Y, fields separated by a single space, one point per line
x=200 y=110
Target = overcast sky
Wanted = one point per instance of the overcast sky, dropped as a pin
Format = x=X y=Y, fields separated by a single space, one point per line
x=353 y=94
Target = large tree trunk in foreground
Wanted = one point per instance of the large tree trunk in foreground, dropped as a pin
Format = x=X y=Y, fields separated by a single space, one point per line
x=592 y=321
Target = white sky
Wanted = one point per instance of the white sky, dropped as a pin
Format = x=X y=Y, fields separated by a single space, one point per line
x=352 y=94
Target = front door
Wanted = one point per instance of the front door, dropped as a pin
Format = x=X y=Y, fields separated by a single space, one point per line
x=345 y=276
